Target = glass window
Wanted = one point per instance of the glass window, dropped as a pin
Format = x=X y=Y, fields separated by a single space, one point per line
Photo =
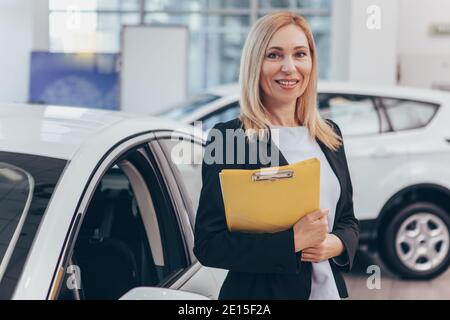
x=321 y=28
x=223 y=57
x=94 y=4
x=295 y=4
x=355 y=115
x=118 y=4
x=218 y=29
x=26 y=186
x=216 y=43
x=152 y=5
x=316 y=4
x=16 y=192
x=275 y=3
x=407 y=114
x=72 y=31
x=67 y=4
x=186 y=158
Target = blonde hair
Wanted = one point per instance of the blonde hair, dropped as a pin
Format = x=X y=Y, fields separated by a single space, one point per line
x=253 y=115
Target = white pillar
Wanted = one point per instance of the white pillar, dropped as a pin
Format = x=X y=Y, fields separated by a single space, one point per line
x=16 y=42
x=340 y=39
x=41 y=38
x=373 y=50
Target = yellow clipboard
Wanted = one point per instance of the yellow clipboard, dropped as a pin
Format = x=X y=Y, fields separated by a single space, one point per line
x=270 y=199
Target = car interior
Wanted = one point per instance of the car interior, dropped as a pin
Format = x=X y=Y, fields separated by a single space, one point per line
x=112 y=249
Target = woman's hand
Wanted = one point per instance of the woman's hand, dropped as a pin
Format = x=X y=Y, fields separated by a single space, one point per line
x=330 y=248
x=311 y=230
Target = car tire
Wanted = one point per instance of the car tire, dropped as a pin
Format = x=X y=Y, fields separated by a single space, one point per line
x=416 y=242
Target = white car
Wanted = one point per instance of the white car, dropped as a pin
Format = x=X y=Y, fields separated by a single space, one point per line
x=93 y=207
x=397 y=142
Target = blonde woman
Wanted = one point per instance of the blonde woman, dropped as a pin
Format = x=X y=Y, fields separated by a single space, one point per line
x=278 y=79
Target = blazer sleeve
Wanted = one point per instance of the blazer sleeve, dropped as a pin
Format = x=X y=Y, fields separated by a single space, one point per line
x=215 y=246
x=347 y=227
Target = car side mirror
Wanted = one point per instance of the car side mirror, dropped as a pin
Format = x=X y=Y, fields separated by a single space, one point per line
x=153 y=293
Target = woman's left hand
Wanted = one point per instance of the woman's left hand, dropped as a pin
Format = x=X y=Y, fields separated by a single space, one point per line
x=330 y=248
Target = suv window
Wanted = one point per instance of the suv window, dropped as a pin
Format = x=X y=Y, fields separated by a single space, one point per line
x=129 y=236
x=355 y=114
x=408 y=114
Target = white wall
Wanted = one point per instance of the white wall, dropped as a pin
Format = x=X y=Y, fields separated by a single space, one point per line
x=424 y=58
x=402 y=48
x=415 y=18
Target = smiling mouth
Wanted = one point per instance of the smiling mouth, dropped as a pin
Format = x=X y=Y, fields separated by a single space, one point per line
x=287 y=83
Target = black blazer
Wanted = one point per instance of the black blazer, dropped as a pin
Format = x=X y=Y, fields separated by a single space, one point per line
x=265 y=266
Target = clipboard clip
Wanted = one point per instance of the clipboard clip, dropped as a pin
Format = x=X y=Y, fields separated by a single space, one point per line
x=272 y=175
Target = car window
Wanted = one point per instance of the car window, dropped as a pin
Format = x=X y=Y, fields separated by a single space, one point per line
x=355 y=114
x=408 y=114
x=27 y=183
x=224 y=114
x=129 y=236
x=185 y=157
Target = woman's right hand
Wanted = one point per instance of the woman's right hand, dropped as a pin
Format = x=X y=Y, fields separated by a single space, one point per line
x=311 y=230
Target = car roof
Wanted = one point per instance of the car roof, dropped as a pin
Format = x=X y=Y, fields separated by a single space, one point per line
x=59 y=132
x=356 y=88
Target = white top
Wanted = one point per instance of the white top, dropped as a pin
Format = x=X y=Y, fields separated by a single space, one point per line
x=296 y=145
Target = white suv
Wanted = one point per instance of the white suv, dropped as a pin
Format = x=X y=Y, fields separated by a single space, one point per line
x=397 y=142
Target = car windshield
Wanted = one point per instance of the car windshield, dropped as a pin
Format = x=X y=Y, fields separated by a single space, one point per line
x=27 y=183
x=181 y=110
x=16 y=192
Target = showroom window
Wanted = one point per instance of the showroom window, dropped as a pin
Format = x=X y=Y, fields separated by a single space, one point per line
x=218 y=29
x=90 y=26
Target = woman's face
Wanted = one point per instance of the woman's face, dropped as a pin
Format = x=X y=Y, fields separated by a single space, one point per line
x=286 y=67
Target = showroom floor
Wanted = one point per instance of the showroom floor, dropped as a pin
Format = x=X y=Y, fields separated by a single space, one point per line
x=391 y=286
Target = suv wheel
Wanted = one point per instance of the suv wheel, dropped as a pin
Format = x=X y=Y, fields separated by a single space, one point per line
x=416 y=242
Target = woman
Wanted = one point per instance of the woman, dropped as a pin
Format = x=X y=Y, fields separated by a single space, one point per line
x=278 y=79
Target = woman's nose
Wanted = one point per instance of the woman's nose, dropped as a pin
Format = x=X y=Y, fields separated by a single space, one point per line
x=287 y=66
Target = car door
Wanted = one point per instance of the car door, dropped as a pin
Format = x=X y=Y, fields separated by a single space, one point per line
x=378 y=158
x=184 y=155
x=128 y=232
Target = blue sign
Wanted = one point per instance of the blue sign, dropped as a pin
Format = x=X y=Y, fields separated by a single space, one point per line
x=75 y=79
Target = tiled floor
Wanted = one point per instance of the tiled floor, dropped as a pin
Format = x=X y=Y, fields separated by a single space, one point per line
x=392 y=287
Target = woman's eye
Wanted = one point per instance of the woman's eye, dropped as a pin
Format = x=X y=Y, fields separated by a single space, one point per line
x=272 y=55
x=301 y=54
